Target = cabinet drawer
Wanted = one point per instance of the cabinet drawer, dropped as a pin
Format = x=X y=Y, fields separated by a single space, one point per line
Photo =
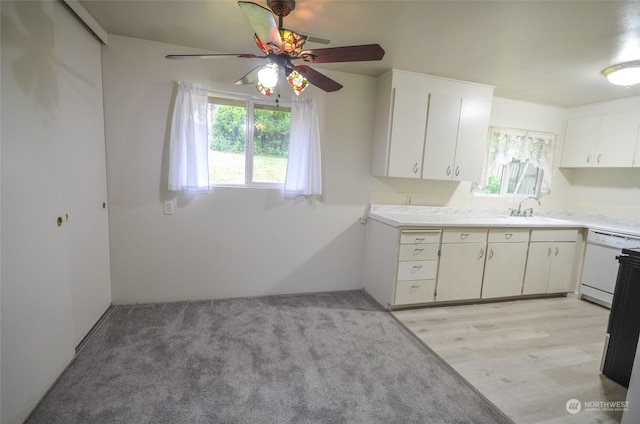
x=508 y=235
x=417 y=270
x=548 y=234
x=421 y=291
x=419 y=237
x=423 y=252
x=465 y=235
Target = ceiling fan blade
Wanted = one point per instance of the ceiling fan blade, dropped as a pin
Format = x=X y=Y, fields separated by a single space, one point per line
x=263 y=23
x=250 y=78
x=344 y=54
x=211 y=56
x=319 y=80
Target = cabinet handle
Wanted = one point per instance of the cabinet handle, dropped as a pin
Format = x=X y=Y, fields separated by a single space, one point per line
x=549 y=254
x=589 y=159
x=557 y=251
x=416 y=267
x=491 y=254
x=508 y=235
x=415 y=168
x=414 y=287
x=449 y=170
x=481 y=253
x=598 y=158
x=457 y=171
x=418 y=239
x=417 y=251
x=464 y=236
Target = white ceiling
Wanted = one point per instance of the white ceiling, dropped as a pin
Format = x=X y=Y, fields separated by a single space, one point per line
x=547 y=52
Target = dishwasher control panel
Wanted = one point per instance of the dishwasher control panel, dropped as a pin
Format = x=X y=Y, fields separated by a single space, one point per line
x=621 y=241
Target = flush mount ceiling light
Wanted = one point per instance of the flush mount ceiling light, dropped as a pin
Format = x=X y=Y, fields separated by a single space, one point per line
x=626 y=74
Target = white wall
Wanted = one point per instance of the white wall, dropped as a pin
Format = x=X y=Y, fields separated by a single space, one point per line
x=233 y=241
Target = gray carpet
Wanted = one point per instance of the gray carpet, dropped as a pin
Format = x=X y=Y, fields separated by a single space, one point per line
x=320 y=358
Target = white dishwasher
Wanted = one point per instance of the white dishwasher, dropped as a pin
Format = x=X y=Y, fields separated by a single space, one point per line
x=600 y=267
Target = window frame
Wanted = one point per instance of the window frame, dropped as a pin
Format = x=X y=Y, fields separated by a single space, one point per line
x=251 y=101
x=477 y=190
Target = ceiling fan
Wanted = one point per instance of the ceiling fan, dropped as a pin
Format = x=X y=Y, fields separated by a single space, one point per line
x=282 y=46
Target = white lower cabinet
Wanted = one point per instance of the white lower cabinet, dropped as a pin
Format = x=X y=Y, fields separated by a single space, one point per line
x=550 y=262
x=462 y=256
x=505 y=263
x=405 y=266
x=417 y=267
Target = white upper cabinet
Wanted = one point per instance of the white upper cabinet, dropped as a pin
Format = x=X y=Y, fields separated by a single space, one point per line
x=430 y=127
x=606 y=140
x=408 y=125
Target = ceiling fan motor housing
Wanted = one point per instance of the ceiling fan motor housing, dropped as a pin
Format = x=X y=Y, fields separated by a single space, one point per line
x=281 y=7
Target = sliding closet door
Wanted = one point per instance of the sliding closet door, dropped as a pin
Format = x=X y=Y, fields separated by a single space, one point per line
x=55 y=270
x=82 y=162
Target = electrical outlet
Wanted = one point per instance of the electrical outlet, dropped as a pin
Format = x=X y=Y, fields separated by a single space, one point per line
x=168 y=207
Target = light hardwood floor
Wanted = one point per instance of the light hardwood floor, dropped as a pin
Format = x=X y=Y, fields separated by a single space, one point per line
x=529 y=357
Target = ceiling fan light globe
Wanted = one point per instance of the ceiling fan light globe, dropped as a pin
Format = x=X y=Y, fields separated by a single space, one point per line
x=264 y=90
x=625 y=74
x=268 y=75
x=297 y=82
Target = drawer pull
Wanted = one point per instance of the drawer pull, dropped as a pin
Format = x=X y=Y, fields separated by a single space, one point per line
x=414 y=287
x=464 y=236
x=508 y=235
x=416 y=267
x=417 y=251
x=419 y=239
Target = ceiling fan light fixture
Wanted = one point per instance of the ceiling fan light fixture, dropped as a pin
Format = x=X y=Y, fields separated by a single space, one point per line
x=297 y=82
x=625 y=74
x=268 y=75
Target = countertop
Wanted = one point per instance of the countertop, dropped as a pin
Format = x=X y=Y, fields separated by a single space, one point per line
x=430 y=216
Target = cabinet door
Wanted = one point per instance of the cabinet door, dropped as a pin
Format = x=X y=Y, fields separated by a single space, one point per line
x=504 y=269
x=441 y=137
x=561 y=269
x=536 y=275
x=617 y=138
x=579 y=142
x=460 y=274
x=408 y=123
x=472 y=140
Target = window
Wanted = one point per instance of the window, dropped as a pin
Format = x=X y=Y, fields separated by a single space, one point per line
x=248 y=142
x=518 y=162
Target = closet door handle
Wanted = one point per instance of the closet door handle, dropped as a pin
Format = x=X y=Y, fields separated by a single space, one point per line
x=549 y=254
x=598 y=158
x=557 y=251
x=490 y=253
x=449 y=170
x=457 y=171
x=481 y=253
x=415 y=168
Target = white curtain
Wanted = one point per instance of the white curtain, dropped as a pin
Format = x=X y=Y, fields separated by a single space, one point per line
x=188 y=150
x=507 y=144
x=304 y=173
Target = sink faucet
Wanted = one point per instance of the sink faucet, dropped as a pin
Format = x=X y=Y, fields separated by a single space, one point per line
x=520 y=212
